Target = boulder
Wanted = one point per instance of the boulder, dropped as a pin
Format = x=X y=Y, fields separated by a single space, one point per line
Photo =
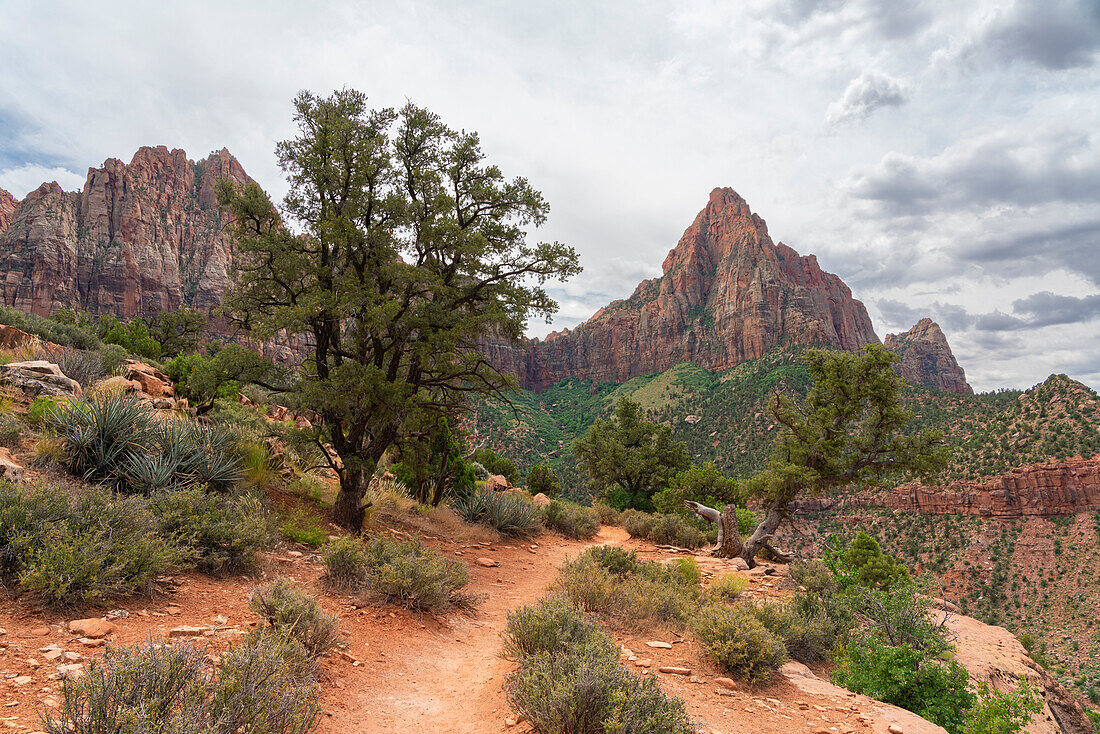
x=117 y=383
x=93 y=628
x=39 y=377
x=278 y=413
x=499 y=483
x=154 y=383
x=9 y=468
x=542 y=500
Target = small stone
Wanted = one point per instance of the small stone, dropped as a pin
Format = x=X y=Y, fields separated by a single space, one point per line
x=21 y=680
x=92 y=627
x=644 y=663
x=739 y=564
x=72 y=657
x=71 y=672
x=53 y=655
x=173 y=611
x=659 y=645
x=673 y=670
x=89 y=642
x=895 y=729
x=187 y=631
x=487 y=562
x=294 y=554
x=221 y=619
x=40 y=631
x=726 y=683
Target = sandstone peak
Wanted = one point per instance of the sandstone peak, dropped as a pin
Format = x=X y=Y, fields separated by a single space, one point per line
x=140 y=237
x=926 y=358
x=8 y=205
x=727 y=294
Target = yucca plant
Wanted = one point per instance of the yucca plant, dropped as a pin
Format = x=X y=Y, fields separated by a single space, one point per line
x=510 y=514
x=148 y=473
x=102 y=433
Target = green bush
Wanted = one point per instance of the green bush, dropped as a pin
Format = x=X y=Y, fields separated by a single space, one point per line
x=495 y=464
x=67 y=335
x=615 y=559
x=674 y=530
x=416 y=577
x=507 y=512
x=737 y=640
x=289 y=613
x=907 y=678
x=728 y=586
x=214 y=533
x=346 y=564
x=995 y=712
x=608 y=515
x=42 y=408
x=257 y=688
x=587 y=691
x=637 y=524
x=807 y=632
x=571 y=520
x=11 y=431
x=99 y=549
x=551 y=626
x=543 y=479
x=301 y=526
x=116 y=439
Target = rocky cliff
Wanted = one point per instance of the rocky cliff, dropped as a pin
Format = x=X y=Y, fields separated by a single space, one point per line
x=728 y=294
x=926 y=359
x=139 y=238
x=8 y=205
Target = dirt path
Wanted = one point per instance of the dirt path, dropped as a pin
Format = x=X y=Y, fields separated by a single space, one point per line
x=446 y=677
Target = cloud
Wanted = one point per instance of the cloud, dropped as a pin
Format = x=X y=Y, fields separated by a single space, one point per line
x=1051 y=34
x=868 y=92
x=26 y=178
x=1048 y=309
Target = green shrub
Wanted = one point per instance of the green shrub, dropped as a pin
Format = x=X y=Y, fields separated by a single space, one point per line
x=302 y=526
x=287 y=612
x=739 y=642
x=746 y=520
x=84 y=367
x=346 y=566
x=637 y=524
x=728 y=586
x=571 y=520
x=495 y=464
x=416 y=577
x=608 y=515
x=674 y=530
x=507 y=512
x=214 y=533
x=11 y=431
x=587 y=691
x=614 y=558
x=67 y=335
x=543 y=479
x=995 y=712
x=907 y=678
x=102 y=548
x=116 y=439
x=590 y=586
x=815 y=576
x=257 y=688
x=616 y=584
x=807 y=633
x=551 y=626
x=42 y=408
x=481 y=474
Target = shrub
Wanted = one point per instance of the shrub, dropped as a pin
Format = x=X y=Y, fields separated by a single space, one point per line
x=590 y=586
x=551 y=626
x=303 y=527
x=495 y=464
x=216 y=534
x=807 y=633
x=746 y=520
x=543 y=479
x=615 y=559
x=289 y=613
x=165 y=688
x=571 y=520
x=11 y=431
x=416 y=577
x=116 y=439
x=815 y=576
x=508 y=512
x=481 y=474
x=345 y=562
x=84 y=367
x=907 y=678
x=674 y=530
x=608 y=515
x=995 y=712
x=739 y=642
x=729 y=586
x=587 y=691
x=637 y=524
x=102 y=548
x=42 y=408
x=67 y=335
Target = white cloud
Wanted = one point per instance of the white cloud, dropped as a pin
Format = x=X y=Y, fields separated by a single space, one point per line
x=866 y=93
x=28 y=177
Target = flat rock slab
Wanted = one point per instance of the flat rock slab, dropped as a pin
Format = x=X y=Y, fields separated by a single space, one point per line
x=659 y=645
x=93 y=628
x=487 y=563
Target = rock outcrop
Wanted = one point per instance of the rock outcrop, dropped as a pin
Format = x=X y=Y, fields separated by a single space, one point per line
x=8 y=205
x=39 y=377
x=1048 y=489
x=728 y=294
x=139 y=238
x=926 y=359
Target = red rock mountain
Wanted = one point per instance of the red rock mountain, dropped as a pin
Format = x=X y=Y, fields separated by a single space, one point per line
x=728 y=294
x=8 y=205
x=926 y=359
x=139 y=238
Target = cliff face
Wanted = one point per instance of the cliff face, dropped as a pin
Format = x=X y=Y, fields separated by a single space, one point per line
x=8 y=205
x=728 y=294
x=139 y=238
x=926 y=359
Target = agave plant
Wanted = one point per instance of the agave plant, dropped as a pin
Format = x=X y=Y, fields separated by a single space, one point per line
x=510 y=514
x=147 y=473
x=102 y=433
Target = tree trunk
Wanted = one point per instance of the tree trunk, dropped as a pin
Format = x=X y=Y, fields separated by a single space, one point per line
x=761 y=537
x=729 y=538
x=348 y=510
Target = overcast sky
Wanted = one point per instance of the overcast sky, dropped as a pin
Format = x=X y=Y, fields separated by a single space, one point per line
x=942 y=157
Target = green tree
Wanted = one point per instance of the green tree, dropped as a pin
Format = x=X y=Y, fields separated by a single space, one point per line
x=995 y=712
x=432 y=464
x=203 y=379
x=629 y=459
x=133 y=336
x=178 y=332
x=543 y=479
x=701 y=483
x=408 y=252
x=494 y=463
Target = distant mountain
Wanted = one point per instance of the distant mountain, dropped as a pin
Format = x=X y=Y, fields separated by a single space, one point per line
x=728 y=294
x=926 y=359
x=138 y=238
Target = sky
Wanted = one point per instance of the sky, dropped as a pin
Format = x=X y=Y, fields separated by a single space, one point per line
x=942 y=157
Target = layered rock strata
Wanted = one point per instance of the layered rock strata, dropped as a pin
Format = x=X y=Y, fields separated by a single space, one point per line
x=926 y=359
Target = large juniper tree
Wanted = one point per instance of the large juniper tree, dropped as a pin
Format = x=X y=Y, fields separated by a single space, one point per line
x=850 y=428
x=396 y=251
